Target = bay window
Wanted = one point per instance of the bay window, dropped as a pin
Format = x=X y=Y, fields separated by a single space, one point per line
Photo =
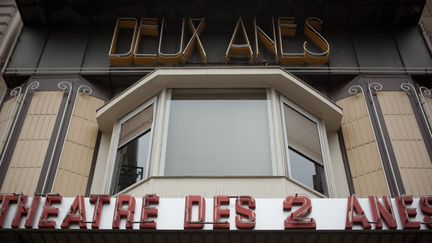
x=304 y=151
x=221 y=133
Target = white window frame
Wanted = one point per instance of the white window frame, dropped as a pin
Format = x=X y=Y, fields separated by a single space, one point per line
x=323 y=145
x=115 y=141
x=270 y=117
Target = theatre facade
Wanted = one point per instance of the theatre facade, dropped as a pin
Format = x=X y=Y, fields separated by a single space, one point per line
x=238 y=121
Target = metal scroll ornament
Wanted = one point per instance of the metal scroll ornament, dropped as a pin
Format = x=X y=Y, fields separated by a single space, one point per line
x=374 y=87
x=408 y=87
x=355 y=89
x=85 y=90
x=425 y=91
x=65 y=86
x=15 y=92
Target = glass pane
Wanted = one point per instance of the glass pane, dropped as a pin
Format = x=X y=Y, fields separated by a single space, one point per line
x=131 y=161
x=218 y=133
x=302 y=134
x=306 y=171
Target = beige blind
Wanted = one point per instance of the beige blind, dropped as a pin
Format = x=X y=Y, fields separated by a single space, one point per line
x=302 y=134
x=135 y=126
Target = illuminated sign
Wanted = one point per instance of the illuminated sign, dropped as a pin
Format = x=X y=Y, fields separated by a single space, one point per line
x=220 y=212
x=239 y=46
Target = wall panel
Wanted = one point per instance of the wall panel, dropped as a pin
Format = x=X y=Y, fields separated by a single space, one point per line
x=361 y=148
x=428 y=109
x=75 y=161
x=31 y=148
x=410 y=150
x=7 y=115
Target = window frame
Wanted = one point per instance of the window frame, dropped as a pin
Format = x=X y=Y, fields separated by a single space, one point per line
x=323 y=145
x=115 y=143
x=270 y=120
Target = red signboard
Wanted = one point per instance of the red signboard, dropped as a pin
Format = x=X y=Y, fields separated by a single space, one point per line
x=220 y=212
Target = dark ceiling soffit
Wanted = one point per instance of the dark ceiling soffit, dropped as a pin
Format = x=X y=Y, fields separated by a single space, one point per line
x=14 y=77
x=50 y=12
x=424 y=232
x=162 y=236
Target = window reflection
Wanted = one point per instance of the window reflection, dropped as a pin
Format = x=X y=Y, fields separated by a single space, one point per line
x=132 y=161
x=306 y=171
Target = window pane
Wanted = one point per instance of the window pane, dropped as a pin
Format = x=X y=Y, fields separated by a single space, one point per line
x=133 y=150
x=218 y=133
x=302 y=134
x=306 y=171
x=132 y=161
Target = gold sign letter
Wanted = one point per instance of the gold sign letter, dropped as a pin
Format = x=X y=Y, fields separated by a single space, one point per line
x=122 y=59
x=239 y=50
x=287 y=27
x=148 y=27
x=195 y=40
x=171 y=58
x=269 y=44
x=312 y=30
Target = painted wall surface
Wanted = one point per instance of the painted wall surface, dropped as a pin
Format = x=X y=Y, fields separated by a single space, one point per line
x=339 y=176
x=410 y=150
x=361 y=148
x=353 y=50
x=101 y=169
x=31 y=148
x=259 y=187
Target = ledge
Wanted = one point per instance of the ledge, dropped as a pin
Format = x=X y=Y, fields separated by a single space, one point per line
x=290 y=86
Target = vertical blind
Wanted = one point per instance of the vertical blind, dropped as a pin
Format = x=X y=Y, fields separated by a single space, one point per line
x=218 y=133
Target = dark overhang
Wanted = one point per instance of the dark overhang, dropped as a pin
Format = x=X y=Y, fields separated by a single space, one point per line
x=54 y=12
x=221 y=236
x=69 y=37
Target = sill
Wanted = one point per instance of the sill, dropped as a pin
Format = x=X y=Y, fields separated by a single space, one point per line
x=291 y=180
x=138 y=183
